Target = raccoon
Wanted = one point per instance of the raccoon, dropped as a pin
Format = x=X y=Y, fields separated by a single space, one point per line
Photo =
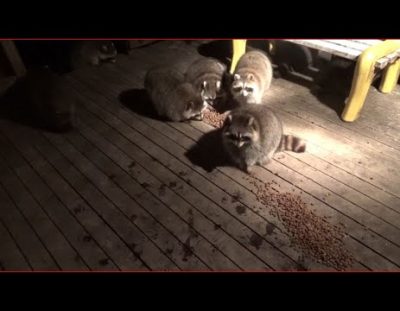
x=207 y=74
x=92 y=53
x=252 y=134
x=252 y=78
x=291 y=57
x=172 y=96
x=49 y=99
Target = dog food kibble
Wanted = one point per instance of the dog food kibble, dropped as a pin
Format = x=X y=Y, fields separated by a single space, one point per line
x=214 y=118
x=314 y=235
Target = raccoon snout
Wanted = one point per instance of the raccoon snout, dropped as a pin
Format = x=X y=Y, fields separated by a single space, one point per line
x=198 y=117
x=238 y=144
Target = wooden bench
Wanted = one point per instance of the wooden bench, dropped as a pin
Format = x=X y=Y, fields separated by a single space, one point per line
x=370 y=55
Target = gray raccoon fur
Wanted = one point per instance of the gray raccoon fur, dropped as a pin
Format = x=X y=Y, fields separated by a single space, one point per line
x=50 y=99
x=252 y=134
x=92 y=53
x=252 y=78
x=206 y=74
x=172 y=96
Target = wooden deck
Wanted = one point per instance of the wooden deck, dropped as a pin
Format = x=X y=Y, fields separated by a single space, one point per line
x=349 y=49
x=122 y=193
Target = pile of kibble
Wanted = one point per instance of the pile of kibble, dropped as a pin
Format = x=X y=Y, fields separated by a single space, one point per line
x=315 y=236
x=213 y=118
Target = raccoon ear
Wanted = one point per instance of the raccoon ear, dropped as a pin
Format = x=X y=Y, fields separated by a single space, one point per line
x=250 y=77
x=250 y=122
x=189 y=105
x=218 y=85
x=228 y=119
x=236 y=77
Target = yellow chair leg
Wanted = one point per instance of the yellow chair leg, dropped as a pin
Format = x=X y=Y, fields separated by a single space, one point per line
x=239 y=48
x=363 y=76
x=390 y=77
x=362 y=80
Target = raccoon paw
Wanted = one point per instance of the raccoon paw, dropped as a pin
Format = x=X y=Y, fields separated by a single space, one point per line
x=250 y=171
x=247 y=169
x=243 y=167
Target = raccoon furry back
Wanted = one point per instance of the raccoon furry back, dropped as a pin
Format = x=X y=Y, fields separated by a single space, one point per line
x=252 y=78
x=252 y=134
x=45 y=99
x=171 y=96
x=92 y=53
x=206 y=74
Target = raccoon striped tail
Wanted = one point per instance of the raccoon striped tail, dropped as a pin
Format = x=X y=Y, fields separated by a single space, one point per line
x=292 y=143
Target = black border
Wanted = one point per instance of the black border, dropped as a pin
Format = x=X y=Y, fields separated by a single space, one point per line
x=200 y=20
x=229 y=285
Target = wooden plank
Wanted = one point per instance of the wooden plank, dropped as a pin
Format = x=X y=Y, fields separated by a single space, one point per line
x=378 y=210
x=88 y=249
x=329 y=47
x=183 y=209
x=349 y=186
x=61 y=251
x=11 y=258
x=379 y=220
x=36 y=254
x=324 y=145
x=150 y=199
x=388 y=59
x=367 y=126
x=93 y=220
x=367 y=42
x=382 y=113
x=124 y=63
x=375 y=148
x=349 y=49
x=193 y=181
x=352 y=186
x=361 y=45
x=299 y=185
x=365 y=178
x=311 y=133
x=235 y=252
x=148 y=253
x=145 y=221
x=187 y=194
x=354 y=44
x=131 y=81
x=378 y=148
x=253 y=201
x=354 y=229
x=381 y=226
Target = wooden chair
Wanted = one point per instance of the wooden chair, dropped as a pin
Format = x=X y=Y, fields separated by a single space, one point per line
x=370 y=55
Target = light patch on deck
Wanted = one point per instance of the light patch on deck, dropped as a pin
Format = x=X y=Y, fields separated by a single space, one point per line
x=316 y=139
